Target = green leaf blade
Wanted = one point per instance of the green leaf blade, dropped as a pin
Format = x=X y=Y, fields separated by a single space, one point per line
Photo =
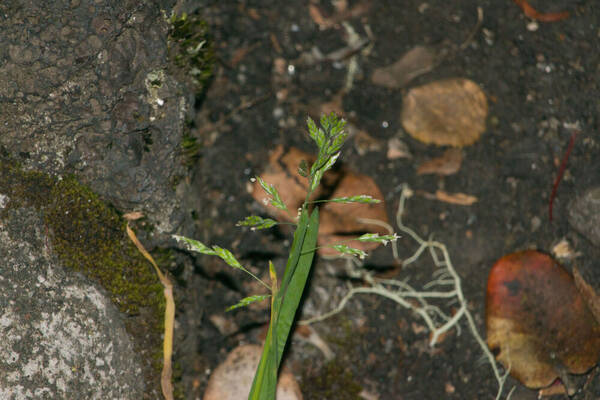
x=344 y=249
x=296 y=276
x=246 y=301
x=363 y=199
x=255 y=222
x=375 y=237
x=228 y=257
x=194 y=245
x=331 y=161
x=273 y=193
x=264 y=385
x=303 y=169
x=315 y=133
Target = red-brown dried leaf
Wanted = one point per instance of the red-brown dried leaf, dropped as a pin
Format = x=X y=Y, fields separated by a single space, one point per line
x=447 y=164
x=339 y=221
x=282 y=172
x=536 y=320
x=448 y=112
x=532 y=13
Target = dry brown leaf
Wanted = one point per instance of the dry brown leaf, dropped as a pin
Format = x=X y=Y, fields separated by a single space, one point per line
x=253 y=13
x=358 y=10
x=532 y=13
x=552 y=390
x=397 y=149
x=340 y=221
x=449 y=112
x=343 y=14
x=537 y=322
x=588 y=293
x=232 y=379
x=133 y=216
x=337 y=221
x=447 y=164
x=415 y=62
x=282 y=172
x=275 y=43
x=341 y=6
x=167 y=371
x=460 y=199
x=317 y=16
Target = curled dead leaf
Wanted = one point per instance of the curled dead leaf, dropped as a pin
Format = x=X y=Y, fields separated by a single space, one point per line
x=338 y=221
x=133 y=216
x=343 y=13
x=590 y=295
x=448 y=112
x=282 y=172
x=532 y=13
x=446 y=164
x=537 y=323
x=417 y=61
x=460 y=199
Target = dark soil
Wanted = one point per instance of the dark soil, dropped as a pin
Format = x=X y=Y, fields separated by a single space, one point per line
x=537 y=82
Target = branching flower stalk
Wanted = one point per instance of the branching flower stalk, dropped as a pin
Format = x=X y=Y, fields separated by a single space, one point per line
x=285 y=297
x=446 y=279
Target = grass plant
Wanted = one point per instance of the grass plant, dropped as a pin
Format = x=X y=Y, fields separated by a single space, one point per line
x=286 y=292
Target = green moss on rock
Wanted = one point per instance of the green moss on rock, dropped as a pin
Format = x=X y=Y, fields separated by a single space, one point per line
x=191 y=50
x=88 y=236
x=336 y=379
x=333 y=382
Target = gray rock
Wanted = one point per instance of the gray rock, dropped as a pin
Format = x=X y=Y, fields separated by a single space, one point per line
x=584 y=214
x=62 y=338
x=84 y=90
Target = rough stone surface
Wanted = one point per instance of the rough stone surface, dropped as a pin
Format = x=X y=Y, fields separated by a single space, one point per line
x=84 y=90
x=62 y=338
x=584 y=214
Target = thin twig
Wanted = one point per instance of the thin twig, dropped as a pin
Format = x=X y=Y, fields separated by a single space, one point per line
x=167 y=371
x=561 y=171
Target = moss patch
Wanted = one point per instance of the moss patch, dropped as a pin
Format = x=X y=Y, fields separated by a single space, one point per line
x=190 y=147
x=336 y=379
x=89 y=236
x=190 y=51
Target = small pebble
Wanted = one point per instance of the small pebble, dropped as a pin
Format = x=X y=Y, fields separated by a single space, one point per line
x=533 y=26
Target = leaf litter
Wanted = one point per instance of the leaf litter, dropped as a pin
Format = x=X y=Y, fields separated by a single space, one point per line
x=447 y=164
x=338 y=221
x=448 y=112
x=537 y=322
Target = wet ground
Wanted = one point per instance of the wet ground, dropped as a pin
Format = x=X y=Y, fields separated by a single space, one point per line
x=281 y=61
